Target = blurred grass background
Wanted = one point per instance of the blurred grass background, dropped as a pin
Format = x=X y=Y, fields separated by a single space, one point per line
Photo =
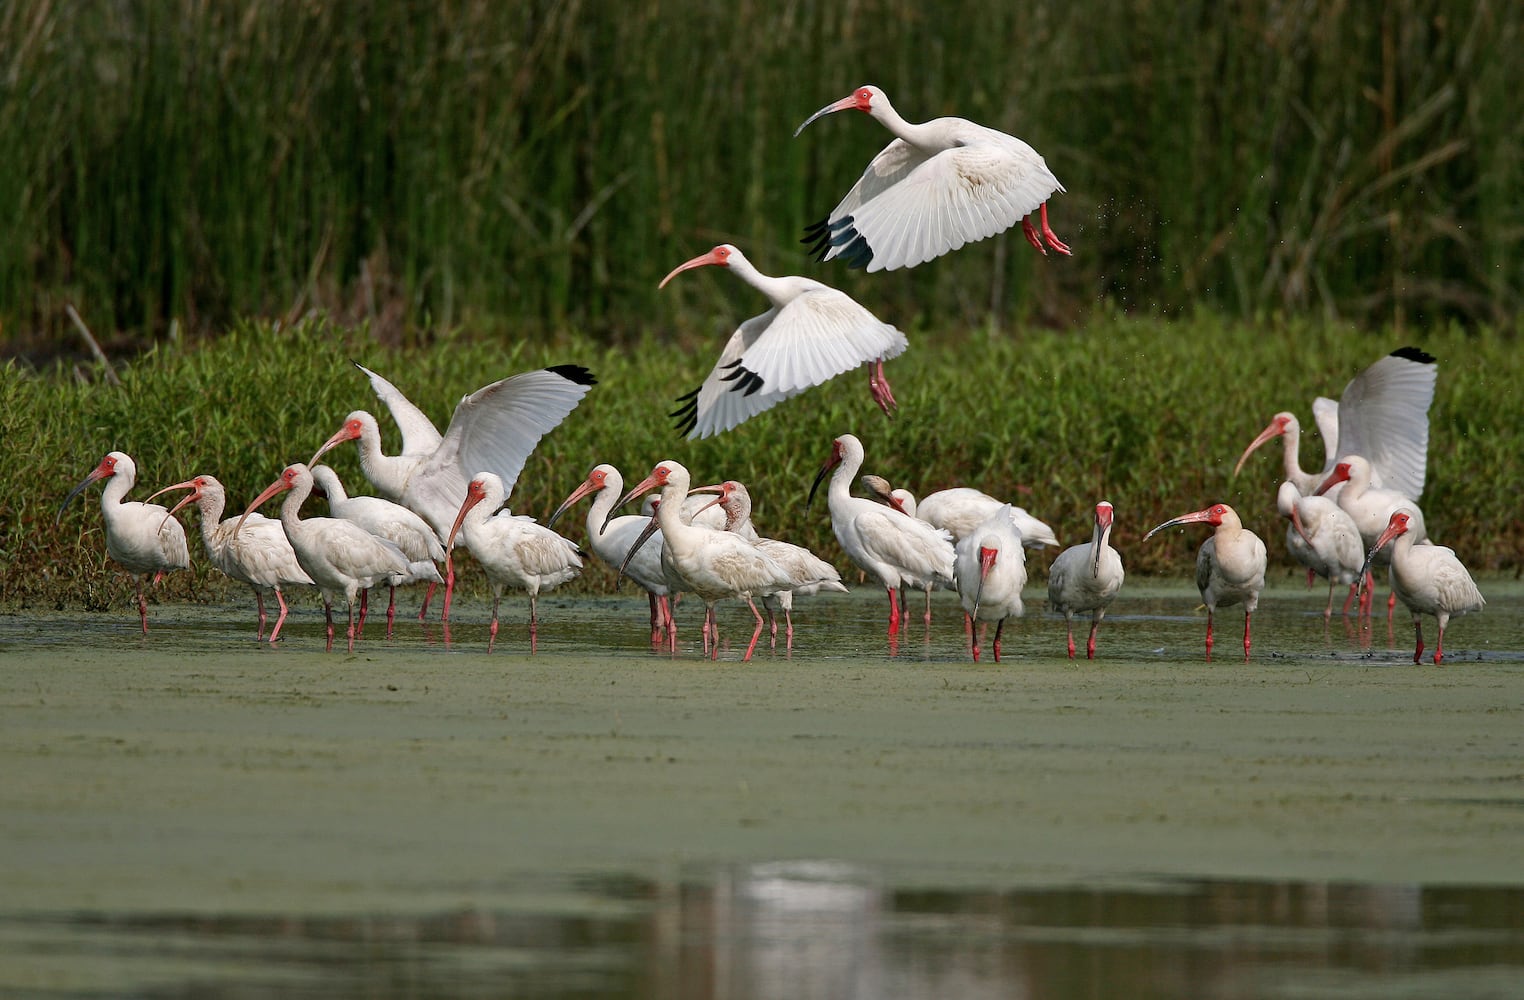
x=169 y=167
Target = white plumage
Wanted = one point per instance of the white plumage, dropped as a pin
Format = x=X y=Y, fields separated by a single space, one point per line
x=1086 y=577
x=1428 y=579
x=140 y=537
x=1230 y=566
x=893 y=549
x=961 y=509
x=494 y=429
x=341 y=557
x=514 y=550
x=938 y=185
x=1322 y=537
x=991 y=569
x=259 y=554
x=812 y=333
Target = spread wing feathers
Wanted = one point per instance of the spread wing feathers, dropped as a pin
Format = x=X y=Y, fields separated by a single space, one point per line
x=961 y=195
x=816 y=336
x=419 y=435
x=495 y=428
x=892 y=165
x=1384 y=416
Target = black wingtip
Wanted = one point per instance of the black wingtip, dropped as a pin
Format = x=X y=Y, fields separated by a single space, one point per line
x=574 y=373
x=687 y=414
x=1415 y=354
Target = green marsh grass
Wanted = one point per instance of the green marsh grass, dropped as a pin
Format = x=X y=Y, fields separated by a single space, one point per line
x=540 y=164
x=1149 y=414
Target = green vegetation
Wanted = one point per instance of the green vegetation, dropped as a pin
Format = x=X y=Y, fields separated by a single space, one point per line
x=1150 y=414
x=538 y=164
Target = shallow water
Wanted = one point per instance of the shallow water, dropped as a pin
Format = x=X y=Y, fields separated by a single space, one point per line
x=193 y=815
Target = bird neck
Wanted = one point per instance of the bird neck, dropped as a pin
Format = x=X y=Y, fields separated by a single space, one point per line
x=291 y=507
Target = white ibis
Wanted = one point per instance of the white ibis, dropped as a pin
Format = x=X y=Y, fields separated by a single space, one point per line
x=1230 y=566
x=937 y=186
x=810 y=573
x=611 y=539
x=341 y=557
x=991 y=569
x=259 y=555
x=494 y=429
x=714 y=565
x=514 y=550
x=811 y=333
x=140 y=537
x=1429 y=579
x=1369 y=507
x=394 y=522
x=893 y=549
x=1086 y=577
x=1383 y=415
x=961 y=509
x=1323 y=538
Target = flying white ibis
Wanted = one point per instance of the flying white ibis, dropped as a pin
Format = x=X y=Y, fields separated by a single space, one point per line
x=494 y=429
x=1383 y=415
x=811 y=333
x=810 y=573
x=937 y=186
x=141 y=537
x=341 y=557
x=394 y=522
x=991 y=569
x=714 y=565
x=1230 y=566
x=259 y=555
x=514 y=550
x=1323 y=538
x=961 y=509
x=894 y=549
x=1429 y=579
x=1086 y=577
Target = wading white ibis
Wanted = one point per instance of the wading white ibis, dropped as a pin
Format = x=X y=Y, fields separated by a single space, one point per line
x=991 y=569
x=1383 y=415
x=514 y=550
x=259 y=555
x=938 y=185
x=1428 y=579
x=811 y=333
x=394 y=522
x=341 y=557
x=1230 y=566
x=810 y=573
x=893 y=549
x=961 y=509
x=1322 y=538
x=494 y=429
x=1369 y=507
x=714 y=565
x=1086 y=577
x=140 y=537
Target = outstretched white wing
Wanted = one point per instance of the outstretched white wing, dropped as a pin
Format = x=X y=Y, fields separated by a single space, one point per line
x=1384 y=416
x=419 y=435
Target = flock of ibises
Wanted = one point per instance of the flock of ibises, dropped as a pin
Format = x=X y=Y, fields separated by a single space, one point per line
x=938 y=185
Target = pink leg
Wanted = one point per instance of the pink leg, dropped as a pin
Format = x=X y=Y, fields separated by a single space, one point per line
x=894 y=612
x=449 y=586
x=1095 y=624
x=350 y=632
x=281 y=620
x=788 y=619
x=928 y=609
x=491 y=631
x=999 y=627
x=1247 y=616
x=142 y=602
x=1418 y=633
x=1209 y=635
x=534 y=623
x=878 y=385
x=655 y=617
x=259 y=602
x=391 y=608
x=1047 y=233
x=1310 y=577
x=756 y=634
x=1030 y=232
x=1352 y=589
x=428 y=595
x=1069 y=633
x=1391 y=605
x=970 y=630
x=714 y=633
x=1439 y=647
x=364 y=610
x=328 y=617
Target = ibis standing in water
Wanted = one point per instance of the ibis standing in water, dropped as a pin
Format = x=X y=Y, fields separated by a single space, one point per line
x=991 y=569
x=811 y=334
x=140 y=537
x=1323 y=538
x=1230 y=566
x=1086 y=577
x=1428 y=579
x=938 y=185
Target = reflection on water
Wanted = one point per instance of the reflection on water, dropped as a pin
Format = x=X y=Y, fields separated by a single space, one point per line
x=814 y=929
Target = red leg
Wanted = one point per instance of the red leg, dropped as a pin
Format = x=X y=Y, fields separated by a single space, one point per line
x=259 y=602
x=928 y=610
x=449 y=586
x=1310 y=577
x=1047 y=233
x=328 y=617
x=878 y=385
x=999 y=627
x=1439 y=647
x=1030 y=232
x=894 y=612
x=1391 y=606
x=972 y=631
x=534 y=623
x=756 y=634
x=428 y=595
x=1247 y=616
x=1069 y=632
x=788 y=619
x=1209 y=635
x=350 y=631
x=1095 y=623
x=491 y=631
x=391 y=608
x=275 y=632
x=1418 y=633
x=364 y=610
x=1352 y=589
